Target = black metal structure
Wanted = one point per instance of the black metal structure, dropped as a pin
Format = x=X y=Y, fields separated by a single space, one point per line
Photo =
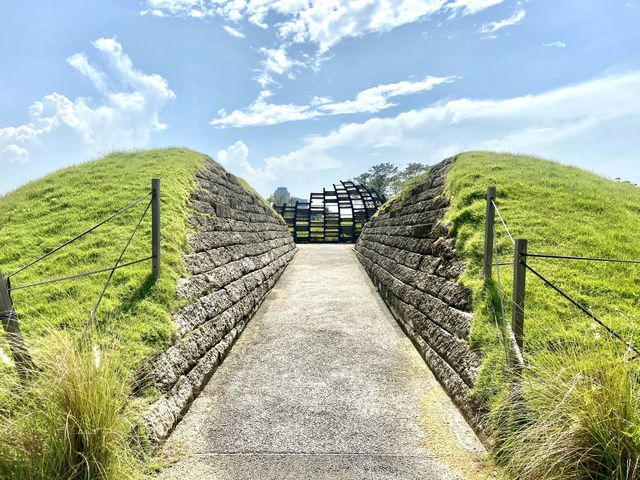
x=336 y=215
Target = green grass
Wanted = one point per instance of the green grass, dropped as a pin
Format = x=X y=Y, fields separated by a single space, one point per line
x=134 y=317
x=69 y=424
x=73 y=421
x=577 y=418
x=567 y=211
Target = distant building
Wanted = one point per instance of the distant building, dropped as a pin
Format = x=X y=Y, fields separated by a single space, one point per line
x=280 y=196
x=283 y=191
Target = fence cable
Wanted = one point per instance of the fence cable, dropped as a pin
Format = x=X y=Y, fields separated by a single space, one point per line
x=591 y=259
x=8 y=315
x=504 y=224
x=585 y=311
x=79 y=275
x=77 y=237
x=106 y=284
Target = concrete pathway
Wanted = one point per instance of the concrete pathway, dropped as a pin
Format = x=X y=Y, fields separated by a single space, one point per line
x=323 y=384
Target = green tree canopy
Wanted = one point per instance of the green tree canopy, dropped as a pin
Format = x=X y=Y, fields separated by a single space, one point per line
x=413 y=169
x=277 y=199
x=387 y=179
x=379 y=177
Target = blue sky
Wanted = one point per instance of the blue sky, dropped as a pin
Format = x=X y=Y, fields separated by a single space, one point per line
x=303 y=93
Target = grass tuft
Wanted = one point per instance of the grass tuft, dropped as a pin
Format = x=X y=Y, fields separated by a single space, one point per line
x=574 y=417
x=70 y=423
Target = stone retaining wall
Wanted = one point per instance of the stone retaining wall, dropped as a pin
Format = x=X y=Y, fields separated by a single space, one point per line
x=240 y=247
x=409 y=254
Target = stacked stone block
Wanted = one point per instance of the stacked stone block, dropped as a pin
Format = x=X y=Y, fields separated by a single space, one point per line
x=240 y=247
x=409 y=254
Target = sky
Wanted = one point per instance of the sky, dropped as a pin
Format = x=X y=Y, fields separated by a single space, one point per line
x=303 y=93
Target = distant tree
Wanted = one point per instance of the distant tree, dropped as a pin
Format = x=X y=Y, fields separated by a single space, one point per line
x=380 y=177
x=412 y=170
x=386 y=179
x=278 y=198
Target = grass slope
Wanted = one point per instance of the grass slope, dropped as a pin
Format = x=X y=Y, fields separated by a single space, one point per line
x=134 y=317
x=577 y=382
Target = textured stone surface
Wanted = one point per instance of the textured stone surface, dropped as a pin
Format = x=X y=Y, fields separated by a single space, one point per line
x=240 y=249
x=408 y=252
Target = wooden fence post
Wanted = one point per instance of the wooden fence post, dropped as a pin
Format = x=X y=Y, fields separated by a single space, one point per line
x=519 y=284
x=155 y=227
x=488 y=232
x=295 y=221
x=19 y=351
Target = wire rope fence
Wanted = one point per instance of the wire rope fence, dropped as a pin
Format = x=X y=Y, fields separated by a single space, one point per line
x=513 y=333
x=17 y=346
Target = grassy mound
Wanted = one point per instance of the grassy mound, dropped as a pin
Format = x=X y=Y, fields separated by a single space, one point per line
x=72 y=421
x=134 y=317
x=576 y=413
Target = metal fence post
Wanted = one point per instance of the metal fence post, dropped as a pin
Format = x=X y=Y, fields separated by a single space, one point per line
x=19 y=351
x=488 y=232
x=155 y=227
x=519 y=283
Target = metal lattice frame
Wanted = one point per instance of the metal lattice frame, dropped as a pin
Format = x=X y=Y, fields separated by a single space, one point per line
x=332 y=216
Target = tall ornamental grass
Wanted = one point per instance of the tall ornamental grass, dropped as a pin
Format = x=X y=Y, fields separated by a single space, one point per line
x=573 y=417
x=70 y=423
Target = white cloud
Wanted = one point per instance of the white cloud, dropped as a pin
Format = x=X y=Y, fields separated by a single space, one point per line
x=123 y=115
x=593 y=124
x=321 y=22
x=514 y=19
x=236 y=158
x=371 y=100
x=233 y=32
x=173 y=7
x=80 y=62
x=377 y=98
x=277 y=61
x=155 y=13
x=472 y=6
x=320 y=100
x=262 y=113
x=264 y=79
x=555 y=44
x=13 y=154
x=327 y=23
